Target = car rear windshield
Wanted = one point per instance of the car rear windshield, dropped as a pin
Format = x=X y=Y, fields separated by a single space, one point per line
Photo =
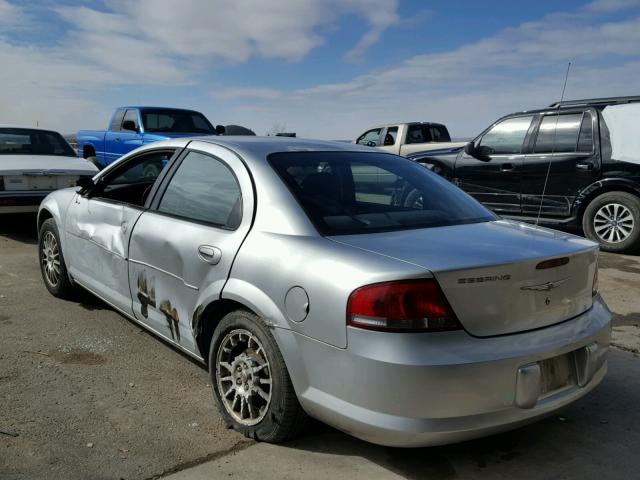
x=18 y=141
x=176 y=121
x=361 y=192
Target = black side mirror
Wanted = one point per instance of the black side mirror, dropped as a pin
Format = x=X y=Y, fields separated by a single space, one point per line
x=85 y=184
x=481 y=153
x=129 y=125
x=220 y=130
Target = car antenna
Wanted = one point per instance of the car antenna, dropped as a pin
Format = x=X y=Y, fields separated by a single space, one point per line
x=553 y=144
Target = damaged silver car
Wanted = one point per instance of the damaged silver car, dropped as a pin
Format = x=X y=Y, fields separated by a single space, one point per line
x=297 y=273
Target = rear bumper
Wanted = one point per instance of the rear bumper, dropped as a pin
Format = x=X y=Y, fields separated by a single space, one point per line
x=18 y=202
x=429 y=389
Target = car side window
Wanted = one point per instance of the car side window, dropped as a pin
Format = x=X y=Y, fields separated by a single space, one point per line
x=390 y=136
x=585 y=139
x=559 y=133
x=131 y=183
x=370 y=138
x=116 y=122
x=416 y=134
x=131 y=115
x=506 y=137
x=204 y=189
x=439 y=133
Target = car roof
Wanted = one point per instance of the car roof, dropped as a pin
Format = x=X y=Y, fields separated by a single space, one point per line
x=143 y=107
x=264 y=146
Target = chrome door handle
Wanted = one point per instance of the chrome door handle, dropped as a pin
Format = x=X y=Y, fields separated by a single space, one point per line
x=506 y=167
x=584 y=166
x=209 y=254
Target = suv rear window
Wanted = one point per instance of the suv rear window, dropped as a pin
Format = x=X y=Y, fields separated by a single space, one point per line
x=359 y=192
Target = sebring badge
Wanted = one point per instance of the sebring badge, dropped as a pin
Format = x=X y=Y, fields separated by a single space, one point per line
x=544 y=287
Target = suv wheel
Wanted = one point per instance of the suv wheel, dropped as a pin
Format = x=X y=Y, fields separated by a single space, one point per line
x=613 y=220
x=250 y=381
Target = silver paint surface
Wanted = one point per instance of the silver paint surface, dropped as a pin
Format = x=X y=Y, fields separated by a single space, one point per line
x=389 y=388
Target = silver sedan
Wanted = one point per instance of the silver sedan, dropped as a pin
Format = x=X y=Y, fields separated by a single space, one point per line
x=310 y=285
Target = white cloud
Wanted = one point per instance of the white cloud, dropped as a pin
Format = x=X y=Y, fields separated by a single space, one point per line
x=468 y=87
x=152 y=44
x=611 y=5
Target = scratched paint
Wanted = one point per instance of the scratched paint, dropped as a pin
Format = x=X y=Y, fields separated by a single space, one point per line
x=171 y=315
x=146 y=294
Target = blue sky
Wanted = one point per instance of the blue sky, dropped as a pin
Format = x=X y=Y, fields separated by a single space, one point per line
x=322 y=68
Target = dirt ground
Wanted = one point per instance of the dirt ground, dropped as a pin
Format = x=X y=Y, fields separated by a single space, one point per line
x=87 y=394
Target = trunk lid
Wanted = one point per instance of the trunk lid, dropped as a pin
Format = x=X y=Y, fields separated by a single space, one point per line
x=488 y=271
x=42 y=172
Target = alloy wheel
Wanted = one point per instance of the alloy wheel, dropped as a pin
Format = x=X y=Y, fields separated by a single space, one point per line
x=244 y=377
x=50 y=258
x=613 y=223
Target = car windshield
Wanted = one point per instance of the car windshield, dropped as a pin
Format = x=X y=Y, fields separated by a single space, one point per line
x=26 y=141
x=156 y=120
x=361 y=192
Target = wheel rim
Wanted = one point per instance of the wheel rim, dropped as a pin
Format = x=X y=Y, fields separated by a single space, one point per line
x=244 y=377
x=50 y=257
x=613 y=223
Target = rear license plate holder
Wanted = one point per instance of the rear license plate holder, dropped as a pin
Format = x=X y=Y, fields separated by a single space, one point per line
x=557 y=373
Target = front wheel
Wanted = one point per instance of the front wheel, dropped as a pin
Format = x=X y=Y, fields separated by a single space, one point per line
x=250 y=381
x=52 y=266
x=613 y=220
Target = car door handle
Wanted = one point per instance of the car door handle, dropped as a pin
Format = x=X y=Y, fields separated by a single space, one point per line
x=117 y=139
x=584 y=166
x=209 y=254
x=506 y=167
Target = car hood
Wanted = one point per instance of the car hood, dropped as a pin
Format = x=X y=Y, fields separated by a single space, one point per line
x=492 y=274
x=46 y=164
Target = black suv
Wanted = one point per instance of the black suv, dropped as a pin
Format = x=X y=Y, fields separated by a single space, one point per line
x=594 y=174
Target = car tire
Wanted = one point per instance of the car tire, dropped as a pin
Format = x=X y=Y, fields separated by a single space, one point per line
x=244 y=357
x=51 y=260
x=613 y=220
x=94 y=161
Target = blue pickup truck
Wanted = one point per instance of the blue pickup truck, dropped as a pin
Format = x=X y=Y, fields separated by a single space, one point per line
x=131 y=127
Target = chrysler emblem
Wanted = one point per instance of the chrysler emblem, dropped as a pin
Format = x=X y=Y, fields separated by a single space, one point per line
x=544 y=287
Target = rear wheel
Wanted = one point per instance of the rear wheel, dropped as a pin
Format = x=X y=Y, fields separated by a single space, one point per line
x=250 y=381
x=52 y=266
x=613 y=220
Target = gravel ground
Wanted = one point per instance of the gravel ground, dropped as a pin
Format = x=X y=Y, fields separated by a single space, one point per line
x=89 y=395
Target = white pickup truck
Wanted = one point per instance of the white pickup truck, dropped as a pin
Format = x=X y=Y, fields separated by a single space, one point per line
x=406 y=138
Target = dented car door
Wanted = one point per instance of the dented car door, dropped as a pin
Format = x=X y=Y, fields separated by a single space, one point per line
x=182 y=248
x=99 y=224
x=98 y=231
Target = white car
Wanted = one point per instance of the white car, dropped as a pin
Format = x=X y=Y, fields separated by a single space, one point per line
x=33 y=163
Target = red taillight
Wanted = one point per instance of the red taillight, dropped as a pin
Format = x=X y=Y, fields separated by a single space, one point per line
x=402 y=306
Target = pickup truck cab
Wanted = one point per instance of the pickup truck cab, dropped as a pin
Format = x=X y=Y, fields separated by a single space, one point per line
x=131 y=127
x=583 y=154
x=407 y=138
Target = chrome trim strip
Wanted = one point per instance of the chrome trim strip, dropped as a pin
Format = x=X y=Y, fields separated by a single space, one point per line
x=193 y=287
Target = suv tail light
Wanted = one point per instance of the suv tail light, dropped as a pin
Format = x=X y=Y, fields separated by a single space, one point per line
x=402 y=306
